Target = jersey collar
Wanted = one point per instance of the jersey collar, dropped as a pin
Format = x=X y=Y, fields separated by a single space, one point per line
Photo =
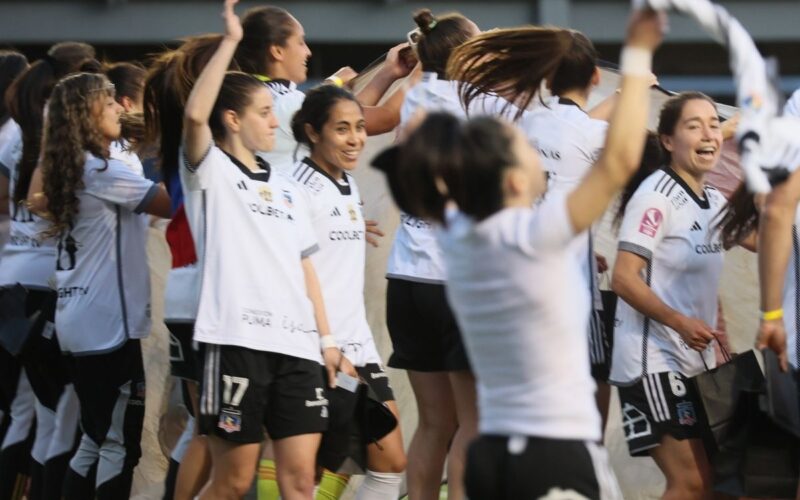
x=256 y=176
x=701 y=202
x=343 y=188
x=277 y=82
x=569 y=102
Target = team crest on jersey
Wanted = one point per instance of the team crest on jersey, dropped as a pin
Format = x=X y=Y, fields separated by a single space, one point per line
x=230 y=420
x=352 y=212
x=265 y=193
x=651 y=221
x=686 y=414
x=287 y=199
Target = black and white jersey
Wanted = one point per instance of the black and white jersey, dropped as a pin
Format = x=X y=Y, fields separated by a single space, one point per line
x=791 y=298
x=522 y=310
x=250 y=230
x=27 y=257
x=340 y=262
x=415 y=255
x=101 y=264
x=667 y=224
x=286 y=101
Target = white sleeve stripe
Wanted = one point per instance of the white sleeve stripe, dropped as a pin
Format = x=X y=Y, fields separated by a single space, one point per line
x=148 y=197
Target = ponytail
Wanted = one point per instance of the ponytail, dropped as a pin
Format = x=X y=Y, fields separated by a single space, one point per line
x=512 y=63
x=447 y=160
x=739 y=218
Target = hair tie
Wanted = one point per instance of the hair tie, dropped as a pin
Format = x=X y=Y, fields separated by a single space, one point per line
x=432 y=24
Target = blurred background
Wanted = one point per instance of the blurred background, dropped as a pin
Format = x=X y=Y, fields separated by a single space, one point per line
x=354 y=32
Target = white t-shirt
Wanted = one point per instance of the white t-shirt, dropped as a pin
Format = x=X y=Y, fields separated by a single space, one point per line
x=522 y=310
x=101 y=265
x=27 y=257
x=286 y=101
x=250 y=230
x=415 y=255
x=119 y=150
x=667 y=224
x=340 y=262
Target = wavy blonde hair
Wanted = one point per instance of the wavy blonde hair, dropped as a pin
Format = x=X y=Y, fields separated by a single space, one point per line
x=71 y=130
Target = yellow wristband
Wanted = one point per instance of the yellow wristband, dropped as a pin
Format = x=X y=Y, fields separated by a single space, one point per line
x=773 y=315
x=336 y=81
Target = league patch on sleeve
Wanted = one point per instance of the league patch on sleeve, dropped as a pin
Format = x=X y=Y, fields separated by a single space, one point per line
x=651 y=220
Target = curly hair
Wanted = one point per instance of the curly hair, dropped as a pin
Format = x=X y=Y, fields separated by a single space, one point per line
x=70 y=131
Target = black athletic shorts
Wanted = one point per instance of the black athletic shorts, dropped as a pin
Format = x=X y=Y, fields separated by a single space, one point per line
x=660 y=404
x=244 y=390
x=422 y=327
x=378 y=380
x=601 y=339
x=519 y=467
x=185 y=361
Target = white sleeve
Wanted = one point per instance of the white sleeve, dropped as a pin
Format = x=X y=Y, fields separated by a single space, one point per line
x=645 y=223
x=198 y=177
x=792 y=107
x=114 y=182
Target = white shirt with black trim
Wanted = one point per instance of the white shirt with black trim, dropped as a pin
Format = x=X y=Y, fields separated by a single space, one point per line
x=336 y=213
x=27 y=257
x=101 y=265
x=415 y=255
x=286 y=101
x=523 y=312
x=668 y=225
x=250 y=230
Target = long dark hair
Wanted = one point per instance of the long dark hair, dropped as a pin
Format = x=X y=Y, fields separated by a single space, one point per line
x=128 y=79
x=437 y=38
x=652 y=160
x=739 y=218
x=445 y=159
x=511 y=62
x=167 y=86
x=316 y=110
x=12 y=64
x=29 y=92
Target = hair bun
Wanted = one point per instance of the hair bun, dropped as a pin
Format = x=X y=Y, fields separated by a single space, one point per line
x=425 y=20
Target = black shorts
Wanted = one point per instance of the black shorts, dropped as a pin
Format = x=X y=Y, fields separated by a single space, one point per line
x=244 y=390
x=184 y=360
x=422 y=327
x=660 y=404
x=378 y=380
x=512 y=468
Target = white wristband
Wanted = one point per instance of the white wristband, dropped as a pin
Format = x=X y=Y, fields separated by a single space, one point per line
x=636 y=61
x=327 y=341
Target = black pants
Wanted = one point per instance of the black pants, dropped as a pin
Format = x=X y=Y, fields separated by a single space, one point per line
x=111 y=391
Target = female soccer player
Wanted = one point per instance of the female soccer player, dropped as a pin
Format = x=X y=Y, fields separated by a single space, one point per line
x=91 y=202
x=666 y=274
x=263 y=341
x=424 y=334
x=513 y=285
x=331 y=125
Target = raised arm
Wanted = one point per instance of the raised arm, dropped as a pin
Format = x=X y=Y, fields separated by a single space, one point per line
x=774 y=250
x=626 y=132
x=196 y=131
x=395 y=67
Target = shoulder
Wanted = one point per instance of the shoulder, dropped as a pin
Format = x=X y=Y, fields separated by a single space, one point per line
x=715 y=197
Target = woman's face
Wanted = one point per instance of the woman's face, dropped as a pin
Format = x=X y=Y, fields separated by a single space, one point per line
x=342 y=138
x=108 y=112
x=296 y=54
x=696 y=142
x=257 y=122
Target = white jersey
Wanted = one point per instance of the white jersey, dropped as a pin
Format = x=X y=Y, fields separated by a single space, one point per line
x=415 y=255
x=341 y=260
x=522 y=311
x=791 y=296
x=792 y=106
x=120 y=150
x=250 y=230
x=286 y=101
x=667 y=224
x=27 y=257
x=101 y=266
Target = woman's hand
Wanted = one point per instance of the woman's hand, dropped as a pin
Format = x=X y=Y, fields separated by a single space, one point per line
x=772 y=335
x=233 y=26
x=372 y=229
x=696 y=333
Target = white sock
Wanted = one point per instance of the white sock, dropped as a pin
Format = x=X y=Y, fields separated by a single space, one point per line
x=380 y=486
